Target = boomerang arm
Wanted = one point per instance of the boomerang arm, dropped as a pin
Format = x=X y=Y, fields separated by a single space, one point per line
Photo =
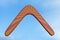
x=41 y=20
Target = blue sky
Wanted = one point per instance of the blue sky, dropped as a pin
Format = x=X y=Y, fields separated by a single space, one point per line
x=30 y=28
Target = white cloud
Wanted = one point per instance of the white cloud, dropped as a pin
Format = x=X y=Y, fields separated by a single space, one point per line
x=53 y=10
x=52 y=3
x=57 y=36
x=6 y=38
x=7 y=2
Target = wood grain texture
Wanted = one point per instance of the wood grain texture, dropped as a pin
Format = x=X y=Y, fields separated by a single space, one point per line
x=25 y=11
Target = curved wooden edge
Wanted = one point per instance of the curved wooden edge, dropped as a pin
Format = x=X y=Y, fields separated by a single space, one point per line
x=25 y=11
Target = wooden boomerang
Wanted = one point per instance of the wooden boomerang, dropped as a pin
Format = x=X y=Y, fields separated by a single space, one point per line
x=29 y=10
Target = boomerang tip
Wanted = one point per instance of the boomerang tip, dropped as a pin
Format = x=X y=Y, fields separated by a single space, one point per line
x=52 y=33
x=6 y=34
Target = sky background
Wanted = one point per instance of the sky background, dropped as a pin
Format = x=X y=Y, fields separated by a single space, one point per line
x=29 y=28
